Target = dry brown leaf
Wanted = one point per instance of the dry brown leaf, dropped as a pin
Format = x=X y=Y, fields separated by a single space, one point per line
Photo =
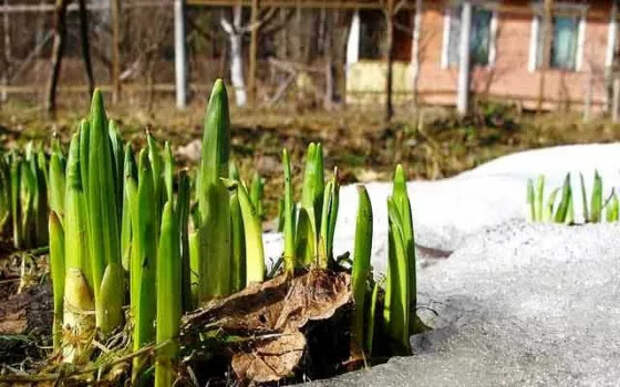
x=270 y=316
x=278 y=305
x=271 y=359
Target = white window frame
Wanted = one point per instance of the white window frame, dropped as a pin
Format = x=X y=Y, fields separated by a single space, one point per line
x=492 y=6
x=580 y=10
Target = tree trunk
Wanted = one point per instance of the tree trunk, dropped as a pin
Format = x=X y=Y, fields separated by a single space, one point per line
x=297 y=35
x=253 y=52
x=615 y=105
x=389 y=55
x=546 y=51
x=236 y=69
x=328 y=101
x=7 y=52
x=86 y=47
x=60 y=32
x=116 y=52
x=415 y=50
x=283 y=37
x=235 y=37
x=340 y=33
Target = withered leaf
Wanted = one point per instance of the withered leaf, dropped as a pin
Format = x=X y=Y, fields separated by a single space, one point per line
x=270 y=316
x=269 y=360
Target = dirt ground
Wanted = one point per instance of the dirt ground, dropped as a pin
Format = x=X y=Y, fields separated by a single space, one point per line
x=432 y=142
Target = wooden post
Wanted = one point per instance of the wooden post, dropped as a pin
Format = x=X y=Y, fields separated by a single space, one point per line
x=615 y=114
x=180 y=54
x=462 y=103
x=116 y=51
x=253 y=52
x=546 y=51
x=389 y=56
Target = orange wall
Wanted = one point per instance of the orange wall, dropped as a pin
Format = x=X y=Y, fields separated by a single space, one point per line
x=510 y=75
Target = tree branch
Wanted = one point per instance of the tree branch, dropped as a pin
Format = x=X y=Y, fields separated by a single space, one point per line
x=403 y=28
x=268 y=15
x=278 y=26
x=226 y=26
x=201 y=31
x=400 y=6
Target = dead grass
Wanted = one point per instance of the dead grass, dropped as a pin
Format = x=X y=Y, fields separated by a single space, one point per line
x=431 y=144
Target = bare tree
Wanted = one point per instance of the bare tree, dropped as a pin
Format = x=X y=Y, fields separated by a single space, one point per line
x=86 y=47
x=235 y=31
x=415 y=50
x=546 y=50
x=116 y=52
x=60 y=35
x=390 y=9
x=150 y=30
x=328 y=100
x=7 y=52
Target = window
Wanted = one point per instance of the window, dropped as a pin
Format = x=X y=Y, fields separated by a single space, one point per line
x=372 y=34
x=564 y=43
x=481 y=40
x=567 y=38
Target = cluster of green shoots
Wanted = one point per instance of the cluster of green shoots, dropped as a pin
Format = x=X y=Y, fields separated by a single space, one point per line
x=123 y=228
x=24 y=191
x=397 y=320
x=540 y=210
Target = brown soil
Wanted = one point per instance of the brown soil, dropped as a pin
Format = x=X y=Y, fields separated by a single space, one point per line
x=25 y=324
x=25 y=314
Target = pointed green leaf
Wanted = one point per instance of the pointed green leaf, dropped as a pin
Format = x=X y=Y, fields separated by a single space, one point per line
x=597 y=198
x=169 y=298
x=57 y=270
x=361 y=269
x=237 y=251
x=213 y=198
x=290 y=260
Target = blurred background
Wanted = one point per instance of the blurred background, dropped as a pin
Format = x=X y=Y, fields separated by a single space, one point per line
x=440 y=85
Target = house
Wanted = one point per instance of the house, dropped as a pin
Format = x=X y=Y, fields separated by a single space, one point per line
x=505 y=50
